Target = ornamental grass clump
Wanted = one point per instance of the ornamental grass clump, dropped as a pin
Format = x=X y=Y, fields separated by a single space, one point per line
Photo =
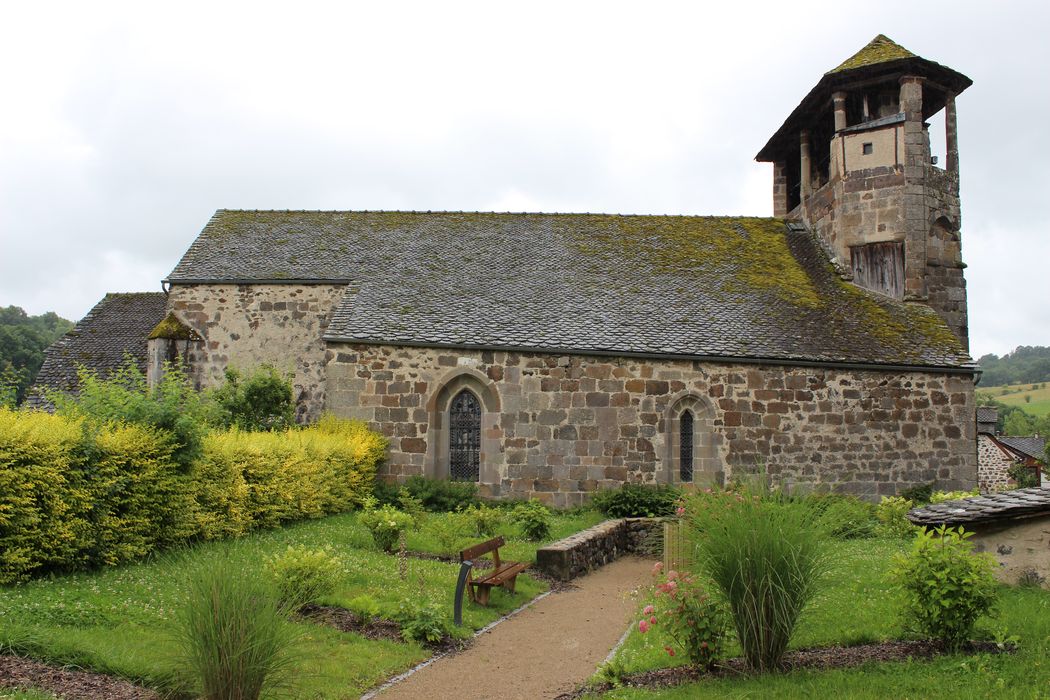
x=946 y=587
x=234 y=638
x=766 y=558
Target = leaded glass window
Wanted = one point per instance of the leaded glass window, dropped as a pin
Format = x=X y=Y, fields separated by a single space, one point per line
x=464 y=434
x=685 y=446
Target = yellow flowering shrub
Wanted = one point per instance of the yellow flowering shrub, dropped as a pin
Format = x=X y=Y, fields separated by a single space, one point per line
x=76 y=495
x=249 y=480
x=40 y=521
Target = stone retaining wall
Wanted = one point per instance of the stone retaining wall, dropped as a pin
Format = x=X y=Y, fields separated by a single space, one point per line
x=585 y=551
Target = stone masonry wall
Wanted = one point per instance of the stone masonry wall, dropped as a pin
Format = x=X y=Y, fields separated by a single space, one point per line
x=992 y=466
x=245 y=326
x=911 y=201
x=1021 y=546
x=559 y=427
x=595 y=547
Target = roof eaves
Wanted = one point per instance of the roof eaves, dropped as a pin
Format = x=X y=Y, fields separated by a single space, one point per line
x=965 y=368
x=242 y=280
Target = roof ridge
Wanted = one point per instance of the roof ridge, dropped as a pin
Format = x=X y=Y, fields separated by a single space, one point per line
x=490 y=213
x=130 y=294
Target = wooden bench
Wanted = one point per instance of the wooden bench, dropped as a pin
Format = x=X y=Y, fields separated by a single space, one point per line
x=502 y=574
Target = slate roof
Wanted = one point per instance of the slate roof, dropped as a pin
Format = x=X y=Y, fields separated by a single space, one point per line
x=1034 y=446
x=116 y=327
x=987 y=414
x=976 y=509
x=718 y=287
x=881 y=49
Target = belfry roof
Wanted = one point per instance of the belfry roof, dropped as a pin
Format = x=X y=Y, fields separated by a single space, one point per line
x=880 y=59
x=881 y=49
x=682 y=286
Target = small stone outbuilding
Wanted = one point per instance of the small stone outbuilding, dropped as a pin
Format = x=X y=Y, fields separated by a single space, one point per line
x=1012 y=525
x=998 y=454
x=114 y=332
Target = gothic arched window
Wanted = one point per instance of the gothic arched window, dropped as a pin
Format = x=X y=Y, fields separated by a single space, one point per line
x=685 y=446
x=464 y=437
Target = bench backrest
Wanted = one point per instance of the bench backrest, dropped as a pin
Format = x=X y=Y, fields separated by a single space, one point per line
x=484 y=548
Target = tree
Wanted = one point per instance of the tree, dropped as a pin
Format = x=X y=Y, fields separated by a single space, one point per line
x=260 y=400
x=1025 y=365
x=23 y=339
x=1017 y=423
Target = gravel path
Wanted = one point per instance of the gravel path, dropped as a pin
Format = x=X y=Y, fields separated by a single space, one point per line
x=547 y=649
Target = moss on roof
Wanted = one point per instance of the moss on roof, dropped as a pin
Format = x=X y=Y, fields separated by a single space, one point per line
x=881 y=49
x=171 y=328
x=679 y=285
x=756 y=247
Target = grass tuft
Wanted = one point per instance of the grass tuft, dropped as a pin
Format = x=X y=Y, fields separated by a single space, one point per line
x=766 y=557
x=234 y=636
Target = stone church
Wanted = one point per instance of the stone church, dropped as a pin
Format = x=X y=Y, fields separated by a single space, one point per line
x=550 y=355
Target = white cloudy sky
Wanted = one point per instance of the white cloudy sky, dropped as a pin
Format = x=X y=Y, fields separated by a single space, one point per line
x=124 y=126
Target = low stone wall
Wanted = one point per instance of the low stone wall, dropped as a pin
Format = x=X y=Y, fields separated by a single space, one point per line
x=585 y=551
x=1021 y=546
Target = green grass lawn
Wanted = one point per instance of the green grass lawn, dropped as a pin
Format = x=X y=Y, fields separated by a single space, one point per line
x=12 y=694
x=119 y=620
x=856 y=606
x=1014 y=395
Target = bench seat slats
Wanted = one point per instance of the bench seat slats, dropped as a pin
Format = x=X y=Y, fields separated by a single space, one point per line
x=503 y=574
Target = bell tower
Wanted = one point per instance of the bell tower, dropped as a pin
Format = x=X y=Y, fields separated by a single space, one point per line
x=853 y=163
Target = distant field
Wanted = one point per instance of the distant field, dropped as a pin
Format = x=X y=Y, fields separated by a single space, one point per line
x=1014 y=395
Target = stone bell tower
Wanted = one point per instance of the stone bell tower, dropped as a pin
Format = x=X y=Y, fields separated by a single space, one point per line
x=853 y=163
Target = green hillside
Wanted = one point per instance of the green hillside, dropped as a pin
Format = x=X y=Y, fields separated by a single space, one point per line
x=1032 y=398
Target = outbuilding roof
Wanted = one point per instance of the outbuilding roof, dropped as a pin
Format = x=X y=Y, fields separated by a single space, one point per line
x=1019 y=503
x=716 y=287
x=987 y=414
x=1028 y=446
x=116 y=328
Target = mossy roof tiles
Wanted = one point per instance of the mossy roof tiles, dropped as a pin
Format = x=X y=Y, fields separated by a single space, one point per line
x=881 y=49
x=732 y=287
x=114 y=329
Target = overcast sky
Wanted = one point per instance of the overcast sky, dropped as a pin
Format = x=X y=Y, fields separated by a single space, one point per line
x=125 y=126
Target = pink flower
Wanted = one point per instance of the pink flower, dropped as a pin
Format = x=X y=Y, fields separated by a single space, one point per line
x=680 y=511
x=643 y=626
x=672 y=575
x=652 y=620
x=657 y=568
x=648 y=610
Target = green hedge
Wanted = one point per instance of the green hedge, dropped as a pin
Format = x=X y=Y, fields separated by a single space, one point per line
x=74 y=497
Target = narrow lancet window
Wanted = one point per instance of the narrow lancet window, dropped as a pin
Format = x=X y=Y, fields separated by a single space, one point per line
x=685 y=446
x=464 y=435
